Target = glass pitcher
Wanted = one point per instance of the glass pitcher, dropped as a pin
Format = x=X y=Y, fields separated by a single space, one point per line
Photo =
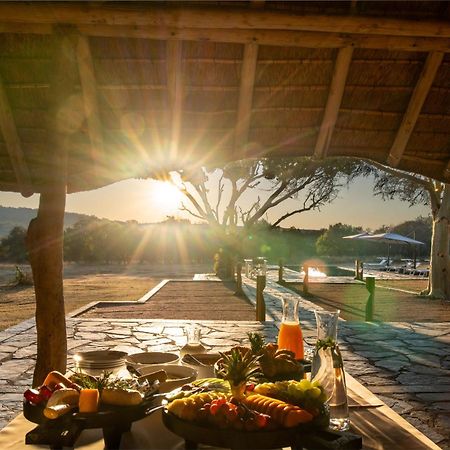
x=328 y=368
x=193 y=345
x=290 y=336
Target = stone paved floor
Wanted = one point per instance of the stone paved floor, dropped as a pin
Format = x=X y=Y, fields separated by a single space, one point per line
x=18 y=346
x=406 y=364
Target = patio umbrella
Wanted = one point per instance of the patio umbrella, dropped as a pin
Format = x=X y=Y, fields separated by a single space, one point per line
x=357 y=236
x=392 y=238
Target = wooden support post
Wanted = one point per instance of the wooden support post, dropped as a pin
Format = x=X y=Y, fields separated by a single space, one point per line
x=370 y=305
x=359 y=270
x=239 y=290
x=45 y=233
x=45 y=247
x=260 y=303
x=306 y=280
x=280 y=272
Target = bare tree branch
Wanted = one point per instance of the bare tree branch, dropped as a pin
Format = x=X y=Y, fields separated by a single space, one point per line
x=183 y=207
x=201 y=213
x=219 y=197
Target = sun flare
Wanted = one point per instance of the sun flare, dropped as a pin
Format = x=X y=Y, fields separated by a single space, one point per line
x=166 y=196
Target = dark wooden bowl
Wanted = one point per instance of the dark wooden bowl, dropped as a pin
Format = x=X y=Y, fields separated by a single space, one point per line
x=64 y=431
x=304 y=436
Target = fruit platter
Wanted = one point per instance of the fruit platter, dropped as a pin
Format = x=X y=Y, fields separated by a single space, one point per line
x=65 y=406
x=253 y=404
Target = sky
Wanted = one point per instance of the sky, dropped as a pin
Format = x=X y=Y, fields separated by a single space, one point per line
x=150 y=201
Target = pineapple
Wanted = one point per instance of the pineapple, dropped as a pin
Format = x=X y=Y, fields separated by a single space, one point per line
x=257 y=343
x=238 y=366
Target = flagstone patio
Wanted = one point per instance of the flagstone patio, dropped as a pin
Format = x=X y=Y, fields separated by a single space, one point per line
x=406 y=364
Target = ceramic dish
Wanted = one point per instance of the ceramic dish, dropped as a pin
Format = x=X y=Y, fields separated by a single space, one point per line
x=147 y=358
x=207 y=359
x=176 y=375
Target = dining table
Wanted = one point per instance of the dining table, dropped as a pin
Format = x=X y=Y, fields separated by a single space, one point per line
x=379 y=426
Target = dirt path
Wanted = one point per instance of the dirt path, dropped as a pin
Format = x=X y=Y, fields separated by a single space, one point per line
x=84 y=284
x=184 y=300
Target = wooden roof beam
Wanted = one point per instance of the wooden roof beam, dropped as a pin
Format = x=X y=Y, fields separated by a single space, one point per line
x=235 y=18
x=416 y=102
x=13 y=145
x=248 y=72
x=302 y=39
x=335 y=95
x=175 y=87
x=90 y=100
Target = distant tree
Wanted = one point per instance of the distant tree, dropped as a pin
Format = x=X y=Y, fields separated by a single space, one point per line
x=417 y=189
x=13 y=247
x=330 y=243
x=311 y=183
x=319 y=183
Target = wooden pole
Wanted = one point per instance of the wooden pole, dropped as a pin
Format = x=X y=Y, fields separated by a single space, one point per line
x=239 y=290
x=260 y=303
x=356 y=269
x=306 y=280
x=280 y=271
x=370 y=305
x=45 y=246
x=45 y=233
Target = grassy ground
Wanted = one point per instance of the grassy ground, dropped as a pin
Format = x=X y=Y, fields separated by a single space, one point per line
x=415 y=285
x=390 y=305
x=84 y=284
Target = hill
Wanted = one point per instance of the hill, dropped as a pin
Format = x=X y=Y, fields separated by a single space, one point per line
x=12 y=217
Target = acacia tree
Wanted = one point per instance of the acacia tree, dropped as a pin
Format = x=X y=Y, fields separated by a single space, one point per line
x=418 y=189
x=281 y=179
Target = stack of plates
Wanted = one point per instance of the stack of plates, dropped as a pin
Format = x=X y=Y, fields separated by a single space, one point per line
x=99 y=361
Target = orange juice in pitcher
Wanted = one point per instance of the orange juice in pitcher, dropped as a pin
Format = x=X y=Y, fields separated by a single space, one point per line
x=290 y=336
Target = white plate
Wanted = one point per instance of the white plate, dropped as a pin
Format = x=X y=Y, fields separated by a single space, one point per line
x=177 y=375
x=147 y=358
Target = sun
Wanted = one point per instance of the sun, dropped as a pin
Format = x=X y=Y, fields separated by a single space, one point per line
x=166 y=196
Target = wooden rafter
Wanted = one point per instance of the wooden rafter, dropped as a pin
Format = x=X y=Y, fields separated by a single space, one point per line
x=335 y=94
x=234 y=18
x=90 y=100
x=13 y=144
x=248 y=72
x=175 y=87
x=418 y=97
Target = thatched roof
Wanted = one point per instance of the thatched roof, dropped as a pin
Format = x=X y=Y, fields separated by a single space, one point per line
x=120 y=90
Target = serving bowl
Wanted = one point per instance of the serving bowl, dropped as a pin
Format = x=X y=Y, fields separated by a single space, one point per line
x=176 y=375
x=97 y=362
x=198 y=359
x=148 y=358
